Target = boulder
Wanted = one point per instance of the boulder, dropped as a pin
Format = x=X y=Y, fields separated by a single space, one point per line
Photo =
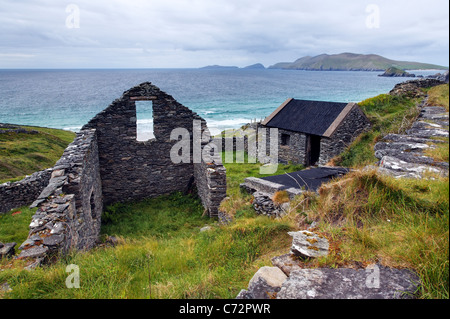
x=374 y=282
x=309 y=244
x=264 y=284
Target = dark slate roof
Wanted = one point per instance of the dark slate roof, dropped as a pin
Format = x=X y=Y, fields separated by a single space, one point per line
x=310 y=117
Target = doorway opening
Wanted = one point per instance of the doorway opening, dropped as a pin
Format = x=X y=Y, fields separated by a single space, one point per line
x=312 y=150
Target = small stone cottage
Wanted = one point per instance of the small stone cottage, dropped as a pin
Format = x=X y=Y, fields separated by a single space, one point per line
x=312 y=132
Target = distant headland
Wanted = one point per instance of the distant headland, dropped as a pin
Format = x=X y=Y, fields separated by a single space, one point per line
x=342 y=62
x=352 y=62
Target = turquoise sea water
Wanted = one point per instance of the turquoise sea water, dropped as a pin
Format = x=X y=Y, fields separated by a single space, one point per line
x=226 y=98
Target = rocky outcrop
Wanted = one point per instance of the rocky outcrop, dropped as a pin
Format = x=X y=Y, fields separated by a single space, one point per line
x=402 y=155
x=395 y=72
x=441 y=77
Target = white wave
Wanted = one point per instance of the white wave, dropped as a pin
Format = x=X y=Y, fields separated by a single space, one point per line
x=145 y=121
x=217 y=126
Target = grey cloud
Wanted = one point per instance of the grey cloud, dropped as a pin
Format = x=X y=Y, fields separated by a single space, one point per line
x=197 y=32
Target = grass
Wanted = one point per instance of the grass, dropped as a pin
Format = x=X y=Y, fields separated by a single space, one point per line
x=400 y=223
x=23 y=154
x=387 y=114
x=439 y=96
x=160 y=256
x=14 y=225
x=163 y=254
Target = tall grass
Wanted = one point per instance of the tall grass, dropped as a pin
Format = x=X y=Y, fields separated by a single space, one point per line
x=396 y=222
x=161 y=254
x=22 y=153
x=387 y=114
x=14 y=225
x=439 y=96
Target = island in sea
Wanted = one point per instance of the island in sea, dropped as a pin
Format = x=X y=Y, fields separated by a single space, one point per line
x=396 y=72
x=215 y=67
x=352 y=62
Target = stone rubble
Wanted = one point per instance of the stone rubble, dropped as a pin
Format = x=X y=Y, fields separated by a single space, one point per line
x=264 y=205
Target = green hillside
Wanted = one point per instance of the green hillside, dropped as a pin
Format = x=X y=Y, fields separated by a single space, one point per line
x=352 y=62
x=26 y=149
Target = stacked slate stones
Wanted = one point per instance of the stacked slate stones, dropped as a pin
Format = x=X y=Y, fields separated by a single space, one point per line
x=403 y=155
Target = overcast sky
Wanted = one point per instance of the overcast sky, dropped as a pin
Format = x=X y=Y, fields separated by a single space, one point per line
x=195 y=33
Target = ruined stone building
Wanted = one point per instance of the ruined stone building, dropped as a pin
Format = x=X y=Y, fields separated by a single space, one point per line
x=312 y=132
x=107 y=164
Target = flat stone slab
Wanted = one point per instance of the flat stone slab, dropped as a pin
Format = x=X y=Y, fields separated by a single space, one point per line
x=393 y=163
x=400 y=146
x=428 y=132
x=408 y=139
x=309 y=244
x=374 y=282
x=33 y=252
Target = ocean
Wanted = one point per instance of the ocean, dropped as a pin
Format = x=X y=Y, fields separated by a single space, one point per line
x=225 y=98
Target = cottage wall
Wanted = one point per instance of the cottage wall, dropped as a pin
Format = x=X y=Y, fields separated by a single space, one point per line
x=70 y=206
x=295 y=150
x=352 y=126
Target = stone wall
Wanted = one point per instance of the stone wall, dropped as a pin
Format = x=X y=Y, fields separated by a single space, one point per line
x=106 y=164
x=353 y=125
x=211 y=184
x=134 y=170
x=295 y=150
x=23 y=192
x=413 y=88
x=69 y=209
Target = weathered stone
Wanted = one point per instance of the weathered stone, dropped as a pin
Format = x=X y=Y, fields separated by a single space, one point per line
x=408 y=139
x=26 y=243
x=205 y=228
x=245 y=294
x=396 y=164
x=309 y=244
x=286 y=263
x=33 y=252
x=53 y=240
x=266 y=282
x=375 y=282
x=7 y=250
x=426 y=133
x=401 y=146
x=23 y=192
